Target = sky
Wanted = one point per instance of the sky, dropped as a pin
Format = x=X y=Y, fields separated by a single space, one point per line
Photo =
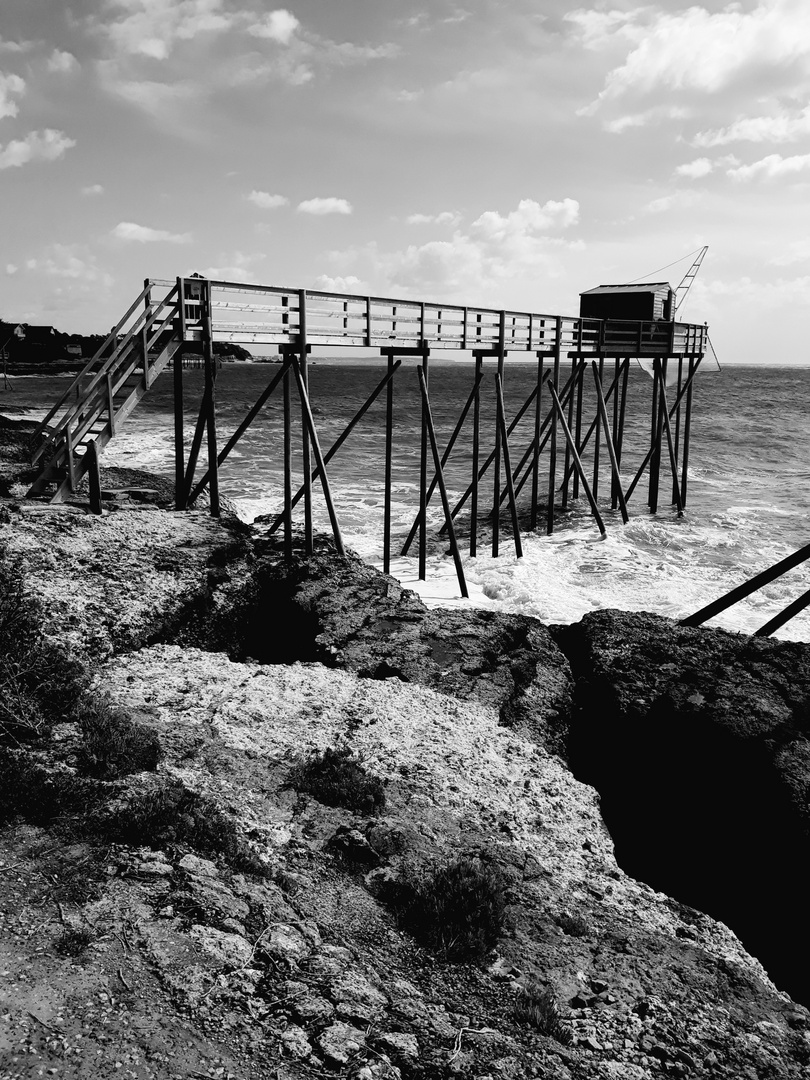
x=504 y=153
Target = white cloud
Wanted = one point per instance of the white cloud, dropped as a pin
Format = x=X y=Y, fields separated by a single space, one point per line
x=694 y=170
x=235 y=266
x=321 y=206
x=602 y=29
x=446 y=217
x=409 y=95
x=279 y=26
x=11 y=269
x=15 y=46
x=72 y=261
x=771 y=167
x=265 y=201
x=347 y=284
x=530 y=217
x=10 y=86
x=677 y=200
x=636 y=120
x=775 y=129
x=495 y=253
x=47 y=145
x=698 y=50
x=93 y=189
x=62 y=63
x=152 y=27
x=797 y=251
x=142 y=234
x=159 y=99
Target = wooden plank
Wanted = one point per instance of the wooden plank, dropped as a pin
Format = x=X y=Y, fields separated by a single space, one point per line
x=614 y=461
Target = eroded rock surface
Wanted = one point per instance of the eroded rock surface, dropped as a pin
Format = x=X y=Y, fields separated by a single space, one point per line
x=699 y=743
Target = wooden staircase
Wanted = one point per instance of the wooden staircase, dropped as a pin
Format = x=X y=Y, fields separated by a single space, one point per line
x=106 y=391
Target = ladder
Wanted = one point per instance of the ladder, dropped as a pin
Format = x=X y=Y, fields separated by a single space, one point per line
x=107 y=390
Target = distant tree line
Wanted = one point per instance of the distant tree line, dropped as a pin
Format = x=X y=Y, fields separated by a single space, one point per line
x=29 y=344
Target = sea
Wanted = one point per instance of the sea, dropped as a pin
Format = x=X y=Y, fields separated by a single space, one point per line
x=748 y=495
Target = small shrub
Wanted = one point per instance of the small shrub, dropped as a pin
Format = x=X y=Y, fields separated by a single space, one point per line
x=113 y=745
x=573 y=925
x=337 y=777
x=457 y=910
x=537 y=1006
x=73 y=942
x=39 y=681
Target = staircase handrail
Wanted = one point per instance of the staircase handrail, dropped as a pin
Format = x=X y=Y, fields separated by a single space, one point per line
x=87 y=367
x=145 y=320
x=95 y=397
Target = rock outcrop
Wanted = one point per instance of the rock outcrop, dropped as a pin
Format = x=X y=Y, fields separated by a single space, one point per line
x=698 y=741
x=222 y=901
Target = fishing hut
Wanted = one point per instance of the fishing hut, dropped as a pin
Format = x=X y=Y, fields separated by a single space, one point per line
x=528 y=458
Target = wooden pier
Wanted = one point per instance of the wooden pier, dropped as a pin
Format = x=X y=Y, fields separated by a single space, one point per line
x=578 y=403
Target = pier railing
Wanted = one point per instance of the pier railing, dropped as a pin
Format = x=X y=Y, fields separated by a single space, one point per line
x=258 y=314
x=578 y=404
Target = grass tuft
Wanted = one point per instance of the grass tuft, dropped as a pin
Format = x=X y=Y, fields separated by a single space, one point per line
x=536 y=1006
x=113 y=745
x=73 y=942
x=457 y=910
x=338 y=777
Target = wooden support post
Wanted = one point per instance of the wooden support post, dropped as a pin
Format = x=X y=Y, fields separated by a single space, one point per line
x=423 y=477
x=677 y=433
x=210 y=381
x=479 y=374
x=784 y=616
x=440 y=476
x=287 y=457
x=684 y=392
x=552 y=467
x=578 y=421
x=445 y=457
x=71 y=468
x=144 y=344
x=622 y=407
x=673 y=461
x=598 y=371
x=569 y=438
x=600 y=421
x=336 y=445
x=614 y=487
x=491 y=457
x=765 y=577
x=180 y=490
x=305 y=463
x=237 y=435
x=389 y=449
x=656 y=437
x=194 y=450
x=316 y=449
x=94 y=477
x=508 y=465
x=538 y=411
x=687 y=425
x=568 y=468
x=496 y=490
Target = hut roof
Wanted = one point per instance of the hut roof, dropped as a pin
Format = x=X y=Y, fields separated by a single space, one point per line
x=646 y=287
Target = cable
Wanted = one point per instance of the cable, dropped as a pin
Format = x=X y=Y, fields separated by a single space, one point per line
x=658 y=271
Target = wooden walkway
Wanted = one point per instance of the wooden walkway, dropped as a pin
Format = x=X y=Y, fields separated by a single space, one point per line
x=579 y=400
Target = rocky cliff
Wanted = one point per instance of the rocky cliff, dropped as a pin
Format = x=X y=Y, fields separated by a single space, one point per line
x=222 y=913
